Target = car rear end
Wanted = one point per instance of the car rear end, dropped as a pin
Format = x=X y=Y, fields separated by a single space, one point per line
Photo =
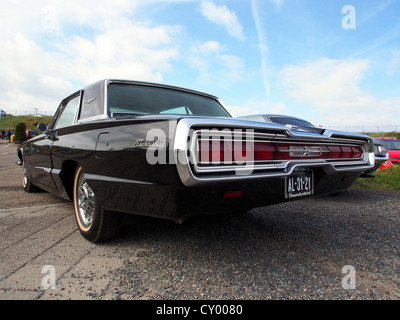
x=238 y=163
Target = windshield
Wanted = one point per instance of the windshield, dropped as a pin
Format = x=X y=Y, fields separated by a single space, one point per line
x=133 y=99
x=392 y=144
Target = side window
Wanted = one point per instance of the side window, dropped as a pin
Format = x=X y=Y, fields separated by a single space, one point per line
x=68 y=113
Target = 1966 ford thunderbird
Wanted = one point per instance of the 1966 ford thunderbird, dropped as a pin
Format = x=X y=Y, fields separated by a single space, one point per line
x=118 y=147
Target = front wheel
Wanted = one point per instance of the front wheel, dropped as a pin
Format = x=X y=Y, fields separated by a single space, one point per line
x=26 y=182
x=94 y=223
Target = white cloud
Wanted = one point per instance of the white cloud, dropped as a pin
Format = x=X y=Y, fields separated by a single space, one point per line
x=332 y=89
x=262 y=39
x=30 y=77
x=238 y=111
x=35 y=17
x=278 y=3
x=138 y=52
x=222 y=16
x=280 y=108
x=208 y=48
x=44 y=59
x=325 y=83
x=394 y=64
x=214 y=66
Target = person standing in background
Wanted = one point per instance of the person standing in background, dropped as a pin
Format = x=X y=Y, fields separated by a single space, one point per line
x=9 y=134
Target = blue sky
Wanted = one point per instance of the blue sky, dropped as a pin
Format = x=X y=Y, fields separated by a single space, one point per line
x=293 y=57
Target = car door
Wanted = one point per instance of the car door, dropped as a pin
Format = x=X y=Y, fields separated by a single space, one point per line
x=45 y=147
x=37 y=156
x=65 y=137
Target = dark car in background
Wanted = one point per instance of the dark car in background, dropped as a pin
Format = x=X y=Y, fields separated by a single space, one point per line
x=293 y=122
x=31 y=133
x=381 y=155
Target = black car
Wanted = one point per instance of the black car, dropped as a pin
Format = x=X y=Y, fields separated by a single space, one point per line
x=118 y=147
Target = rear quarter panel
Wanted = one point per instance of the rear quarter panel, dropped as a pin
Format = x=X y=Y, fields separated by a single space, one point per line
x=106 y=151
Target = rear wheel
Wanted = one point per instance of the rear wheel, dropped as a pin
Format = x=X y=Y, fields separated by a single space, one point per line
x=94 y=223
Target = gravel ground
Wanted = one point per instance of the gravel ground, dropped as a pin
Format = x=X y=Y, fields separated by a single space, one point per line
x=288 y=251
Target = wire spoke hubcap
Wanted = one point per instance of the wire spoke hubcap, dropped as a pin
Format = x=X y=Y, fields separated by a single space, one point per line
x=86 y=202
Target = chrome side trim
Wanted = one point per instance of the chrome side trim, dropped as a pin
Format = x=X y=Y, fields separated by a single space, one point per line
x=94 y=118
x=327 y=167
x=98 y=177
x=45 y=169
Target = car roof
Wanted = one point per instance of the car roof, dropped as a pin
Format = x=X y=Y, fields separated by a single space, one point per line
x=153 y=84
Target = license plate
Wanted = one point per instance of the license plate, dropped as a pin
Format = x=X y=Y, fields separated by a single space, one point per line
x=299 y=185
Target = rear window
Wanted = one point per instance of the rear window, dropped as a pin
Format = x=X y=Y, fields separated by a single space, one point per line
x=131 y=99
x=291 y=121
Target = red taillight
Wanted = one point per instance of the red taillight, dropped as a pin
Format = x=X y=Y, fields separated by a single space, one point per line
x=228 y=152
x=357 y=152
x=225 y=151
x=211 y=151
x=334 y=152
x=264 y=151
x=345 y=152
